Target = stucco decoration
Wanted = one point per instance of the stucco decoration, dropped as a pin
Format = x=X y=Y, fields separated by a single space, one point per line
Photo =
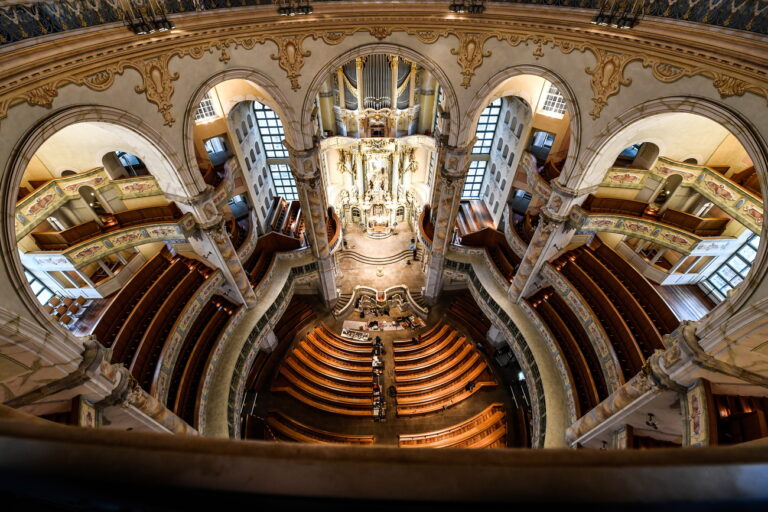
x=290 y=56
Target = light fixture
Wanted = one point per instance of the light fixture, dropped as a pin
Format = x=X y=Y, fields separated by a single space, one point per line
x=146 y=17
x=293 y=7
x=619 y=13
x=469 y=6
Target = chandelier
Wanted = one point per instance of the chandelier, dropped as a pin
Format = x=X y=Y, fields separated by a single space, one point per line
x=469 y=6
x=619 y=13
x=146 y=17
x=293 y=7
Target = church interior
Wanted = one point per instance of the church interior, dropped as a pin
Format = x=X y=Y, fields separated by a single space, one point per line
x=364 y=253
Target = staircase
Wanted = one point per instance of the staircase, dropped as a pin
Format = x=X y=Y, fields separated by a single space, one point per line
x=419 y=298
x=344 y=299
x=387 y=260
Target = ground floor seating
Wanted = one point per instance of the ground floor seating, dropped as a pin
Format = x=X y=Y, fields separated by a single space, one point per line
x=284 y=428
x=740 y=418
x=198 y=346
x=264 y=254
x=486 y=429
x=465 y=313
x=330 y=373
x=442 y=370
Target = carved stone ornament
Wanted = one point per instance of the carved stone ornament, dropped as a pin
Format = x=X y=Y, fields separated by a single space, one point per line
x=380 y=32
x=290 y=57
x=471 y=54
x=607 y=77
x=157 y=84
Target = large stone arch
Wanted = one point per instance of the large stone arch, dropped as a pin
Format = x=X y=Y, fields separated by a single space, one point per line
x=272 y=97
x=491 y=90
x=598 y=156
x=162 y=160
x=449 y=94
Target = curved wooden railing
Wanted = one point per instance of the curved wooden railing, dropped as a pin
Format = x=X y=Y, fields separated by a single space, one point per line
x=426 y=228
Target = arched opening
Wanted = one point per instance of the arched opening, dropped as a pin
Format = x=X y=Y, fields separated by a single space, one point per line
x=641 y=155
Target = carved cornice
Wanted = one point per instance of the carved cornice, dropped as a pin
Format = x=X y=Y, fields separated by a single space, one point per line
x=34 y=77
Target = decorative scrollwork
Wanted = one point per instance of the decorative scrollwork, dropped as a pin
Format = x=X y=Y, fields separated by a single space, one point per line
x=471 y=54
x=607 y=77
x=290 y=57
x=157 y=84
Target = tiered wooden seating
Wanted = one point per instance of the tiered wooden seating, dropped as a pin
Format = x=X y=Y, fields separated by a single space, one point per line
x=333 y=227
x=429 y=332
x=298 y=314
x=289 y=429
x=61 y=240
x=435 y=335
x=495 y=243
x=700 y=226
x=425 y=224
x=258 y=264
x=749 y=180
x=551 y=171
x=583 y=364
x=468 y=315
x=129 y=295
x=437 y=372
x=473 y=216
x=640 y=323
x=328 y=373
x=279 y=214
x=653 y=303
x=487 y=429
x=196 y=350
x=740 y=418
x=616 y=206
x=613 y=321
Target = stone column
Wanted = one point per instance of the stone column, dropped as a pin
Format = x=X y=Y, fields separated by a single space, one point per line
x=395 y=174
x=699 y=414
x=360 y=175
x=445 y=206
x=309 y=183
x=622 y=438
x=552 y=235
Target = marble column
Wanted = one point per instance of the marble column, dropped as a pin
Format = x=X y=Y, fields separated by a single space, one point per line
x=535 y=255
x=309 y=183
x=395 y=174
x=360 y=175
x=230 y=263
x=699 y=413
x=445 y=206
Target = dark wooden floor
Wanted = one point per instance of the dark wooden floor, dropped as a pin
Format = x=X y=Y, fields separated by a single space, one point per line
x=688 y=302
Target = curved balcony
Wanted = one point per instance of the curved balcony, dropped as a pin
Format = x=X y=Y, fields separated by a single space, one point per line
x=45 y=200
x=426 y=228
x=334 y=230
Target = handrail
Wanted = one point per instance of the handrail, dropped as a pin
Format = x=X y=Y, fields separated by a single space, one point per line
x=426 y=228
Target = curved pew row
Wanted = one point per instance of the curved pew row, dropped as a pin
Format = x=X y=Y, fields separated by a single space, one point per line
x=289 y=429
x=487 y=429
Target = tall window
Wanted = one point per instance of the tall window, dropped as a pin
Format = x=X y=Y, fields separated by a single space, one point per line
x=554 y=101
x=285 y=185
x=486 y=131
x=271 y=131
x=474 y=179
x=205 y=110
x=486 y=128
x=731 y=273
x=272 y=135
x=42 y=292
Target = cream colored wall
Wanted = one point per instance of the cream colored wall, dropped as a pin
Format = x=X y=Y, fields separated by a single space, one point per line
x=151 y=249
x=730 y=152
x=617 y=193
x=36 y=170
x=610 y=239
x=145 y=202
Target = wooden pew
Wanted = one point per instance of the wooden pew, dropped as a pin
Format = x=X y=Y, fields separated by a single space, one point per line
x=326 y=369
x=319 y=380
x=330 y=360
x=650 y=299
x=612 y=205
x=290 y=429
x=296 y=381
x=425 y=367
x=321 y=405
x=341 y=355
x=627 y=350
x=450 y=339
x=424 y=343
x=581 y=374
x=348 y=341
x=61 y=240
x=443 y=398
x=454 y=372
x=426 y=334
x=480 y=431
x=341 y=345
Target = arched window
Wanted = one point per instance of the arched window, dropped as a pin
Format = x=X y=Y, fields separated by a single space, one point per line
x=68 y=172
x=511 y=158
x=244 y=128
x=250 y=121
x=503 y=185
x=239 y=135
x=505 y=152
x=247 y=163
x=253 y=156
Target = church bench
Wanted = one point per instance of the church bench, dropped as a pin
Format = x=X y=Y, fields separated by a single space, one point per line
x=646 y=333
x=321 y=381
x=468 y=364
x=493 y=437
x=145 y=362
x=317 y=404
x=118 y=310
x=482 y=425
x=331 y=360
x=190 y=385
x=445 y=402
x=293 y=430
x=411 y=395
x=611 y=205
x=650 y=299
x=700 y=226
x=341 y=345
x=349 y=341
x=148 y=215
x=465 y=312
x=321 y=345
x=425 y=367
x=129 y=335
x=424 y=343
x=426 y=334
x=352 y=402
x=330 y=371
x=432 y=350
x=581 y=373
x=61 y=240
x=621 y=338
